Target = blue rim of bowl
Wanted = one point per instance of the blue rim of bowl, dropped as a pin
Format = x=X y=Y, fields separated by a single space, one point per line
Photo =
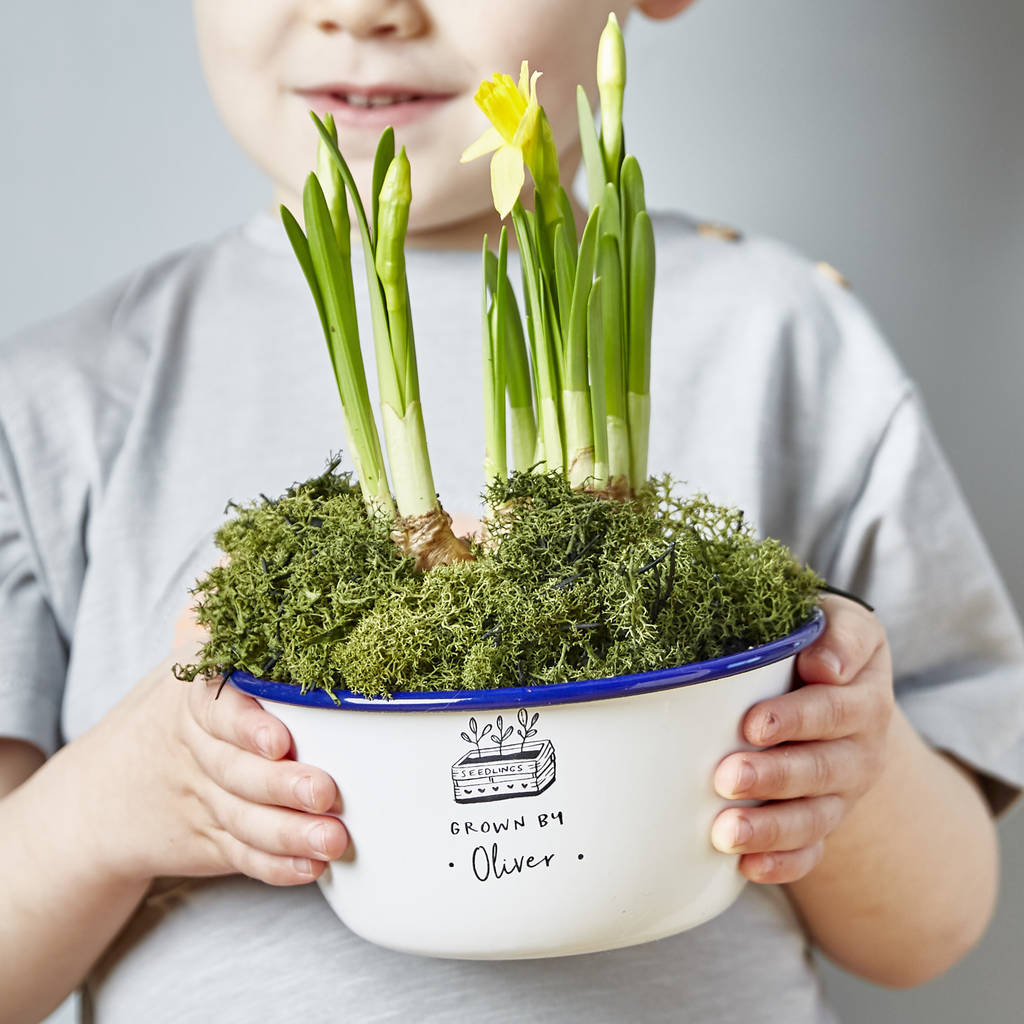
x=545 y=694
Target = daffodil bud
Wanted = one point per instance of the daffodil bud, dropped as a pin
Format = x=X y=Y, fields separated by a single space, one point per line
x=611 y=83
x=392 y=223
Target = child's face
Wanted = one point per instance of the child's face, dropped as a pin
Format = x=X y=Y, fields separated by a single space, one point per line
x=268 y=62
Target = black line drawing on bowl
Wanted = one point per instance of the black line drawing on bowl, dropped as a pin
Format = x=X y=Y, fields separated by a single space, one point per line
x=503 y=770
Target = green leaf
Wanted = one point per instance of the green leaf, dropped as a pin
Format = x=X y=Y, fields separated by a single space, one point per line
x=533 y=288
x=381 y=162
x=343 y=343
x=517 y=369
x=339 y=281
x=593 y=159
x=300 y=246
x=609 y=221
x=609 y=271
x=543 y=234
x=554 y=333
x=616 y=364
x=334 y=190
x=631 y=202
x=565 y=270
x=500 y=349
x=492 y=318
x=595 y=359
x=610 y=224
x=542 y=339
x=641 y=303
x=568 y=219
x=576 y=335
x=328 y=267
x=641 y=308
x=331 y=147
x=631 y=188
x=378 y=310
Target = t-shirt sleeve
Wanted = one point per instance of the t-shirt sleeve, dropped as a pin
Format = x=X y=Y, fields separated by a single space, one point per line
x=33 y=653
x=912 y=549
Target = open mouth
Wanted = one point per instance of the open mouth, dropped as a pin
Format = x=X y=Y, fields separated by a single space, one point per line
x=374 y=107
x=371 y=102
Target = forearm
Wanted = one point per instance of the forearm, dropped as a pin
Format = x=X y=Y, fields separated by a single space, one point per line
x=62 y=903
x=908 y=880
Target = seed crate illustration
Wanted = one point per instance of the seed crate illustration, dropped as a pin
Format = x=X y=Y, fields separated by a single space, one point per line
x=495 y=774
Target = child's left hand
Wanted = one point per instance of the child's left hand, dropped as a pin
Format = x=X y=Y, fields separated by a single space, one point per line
x=828 y=740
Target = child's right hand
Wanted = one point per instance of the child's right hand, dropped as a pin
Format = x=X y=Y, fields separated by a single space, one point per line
x=194 y=784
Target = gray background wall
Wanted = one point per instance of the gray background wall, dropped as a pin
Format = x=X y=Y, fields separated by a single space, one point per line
x=883 y=137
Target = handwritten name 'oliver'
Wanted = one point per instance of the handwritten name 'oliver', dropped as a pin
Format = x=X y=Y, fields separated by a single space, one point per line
x=487 y=864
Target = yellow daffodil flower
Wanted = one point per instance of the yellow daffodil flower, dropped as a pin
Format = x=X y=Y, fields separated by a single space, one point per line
x=519 y=133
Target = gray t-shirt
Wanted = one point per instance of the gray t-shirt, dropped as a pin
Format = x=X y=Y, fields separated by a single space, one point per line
x=127 y=423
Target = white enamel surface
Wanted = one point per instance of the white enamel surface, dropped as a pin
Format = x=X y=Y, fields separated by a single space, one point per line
x=633 y=787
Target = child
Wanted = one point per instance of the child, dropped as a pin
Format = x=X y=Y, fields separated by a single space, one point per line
x=133 y=859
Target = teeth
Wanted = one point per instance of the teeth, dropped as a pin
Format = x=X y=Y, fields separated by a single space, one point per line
x=380 y=100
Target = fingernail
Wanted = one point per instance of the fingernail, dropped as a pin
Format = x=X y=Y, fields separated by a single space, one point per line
x=302 y=865
x=263 y=740
x=730 y=833
x=742 y=833
x=318 y=838
x=304 y=791
x=767 y=728
x=743 y=778
x=831 y=661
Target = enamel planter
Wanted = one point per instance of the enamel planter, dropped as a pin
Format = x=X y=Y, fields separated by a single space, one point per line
x=533 y=821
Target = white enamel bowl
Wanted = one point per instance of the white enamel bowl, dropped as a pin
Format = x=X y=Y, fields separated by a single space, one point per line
x=585 y=829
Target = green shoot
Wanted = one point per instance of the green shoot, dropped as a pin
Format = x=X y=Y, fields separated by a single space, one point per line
x=593 y=162
x=610 y=272
x=383 y=253
x=641 y=307
x=522 y=420
x=494 y=356
x=328 y=273
x=544 y=344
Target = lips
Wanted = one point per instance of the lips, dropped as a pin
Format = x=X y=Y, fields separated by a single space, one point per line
x=374 y=107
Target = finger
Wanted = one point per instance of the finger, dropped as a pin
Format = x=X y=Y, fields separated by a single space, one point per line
x=236 y=718
x=792 y=771
x=851 y=637
x=817 y=712
x=278 y=831
x=265 y=867
x=788 y=825
x=779 y=868
x=274 y=783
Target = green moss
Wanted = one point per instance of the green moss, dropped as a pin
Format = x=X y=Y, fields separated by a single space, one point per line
x=574 y=587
